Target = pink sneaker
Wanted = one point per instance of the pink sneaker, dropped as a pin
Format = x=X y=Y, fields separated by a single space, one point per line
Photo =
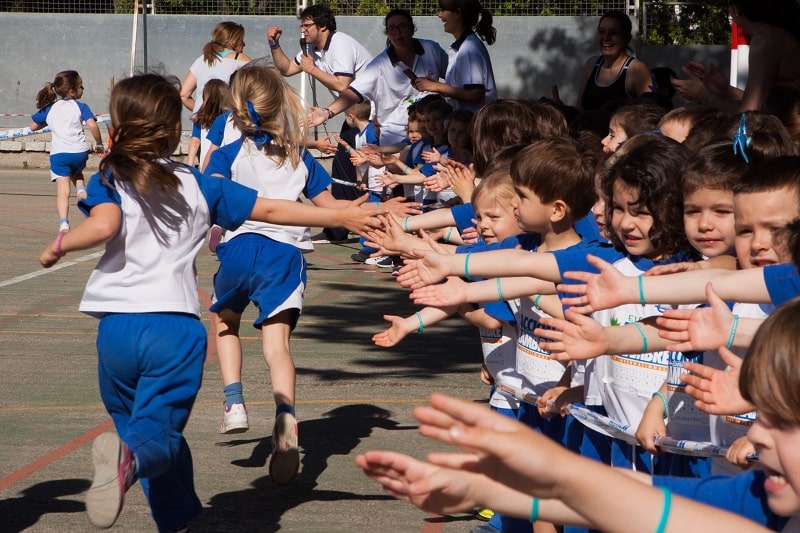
x=214 y=236
x=285 y=460
x=114 y=473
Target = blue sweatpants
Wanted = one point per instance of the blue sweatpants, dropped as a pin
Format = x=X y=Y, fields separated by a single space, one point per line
x=150 y=367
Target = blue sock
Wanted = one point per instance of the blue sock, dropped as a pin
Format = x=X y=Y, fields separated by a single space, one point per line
x=284 y=408
x=60 y=220
x=233 y=394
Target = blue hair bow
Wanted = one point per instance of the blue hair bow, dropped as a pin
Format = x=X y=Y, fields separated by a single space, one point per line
x=259 y=137
x=741 y=140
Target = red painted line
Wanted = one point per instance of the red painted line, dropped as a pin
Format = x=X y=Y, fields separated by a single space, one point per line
x=55 y=455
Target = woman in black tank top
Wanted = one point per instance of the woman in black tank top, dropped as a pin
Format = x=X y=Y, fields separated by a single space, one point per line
x=614 y=75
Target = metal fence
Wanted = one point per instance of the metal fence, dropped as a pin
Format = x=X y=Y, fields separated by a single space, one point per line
x=661 y=21
x=290 y=7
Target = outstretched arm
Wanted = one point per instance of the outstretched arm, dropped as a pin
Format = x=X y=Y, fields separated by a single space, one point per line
x=432 y=268
x=103 y=223
x=290 y=213
x=515 y=455
x=610 y=288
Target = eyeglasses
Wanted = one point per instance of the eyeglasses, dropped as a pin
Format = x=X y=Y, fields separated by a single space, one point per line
x=306 y=25
x=399 y=27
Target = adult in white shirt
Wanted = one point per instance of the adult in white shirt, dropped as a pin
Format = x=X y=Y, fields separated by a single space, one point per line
x=334 y=59
x=469 y=82
x=387 y=80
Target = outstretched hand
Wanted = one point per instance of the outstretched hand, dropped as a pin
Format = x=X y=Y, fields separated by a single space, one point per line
x=429 y=268
x=605 y=290
x=452 y=292
x=359 y=220
x=699 y=329
x=393 y=334
x=579 y=337
x=717 y=391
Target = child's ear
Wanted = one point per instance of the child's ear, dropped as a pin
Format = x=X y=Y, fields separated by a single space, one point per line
x=559 y=211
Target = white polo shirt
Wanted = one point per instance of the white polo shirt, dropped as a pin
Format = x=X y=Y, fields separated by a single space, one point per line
x=341 y=56
x=469 y=67
x=391 y=92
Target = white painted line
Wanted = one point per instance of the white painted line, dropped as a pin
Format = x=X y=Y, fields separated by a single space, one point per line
x=57 y=266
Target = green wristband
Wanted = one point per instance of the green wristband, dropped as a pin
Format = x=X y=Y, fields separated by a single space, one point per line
x=534 y=511
x=466 y=267
x=644 y=336
x=662 y=523
x=664 y=401
x=641 y=291
x=421 y=328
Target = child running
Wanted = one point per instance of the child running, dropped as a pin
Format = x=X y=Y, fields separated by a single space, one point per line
x=152 y=214
x=263 y=262
x=59 y=108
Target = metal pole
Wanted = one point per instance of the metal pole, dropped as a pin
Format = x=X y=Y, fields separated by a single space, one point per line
x=144 y=34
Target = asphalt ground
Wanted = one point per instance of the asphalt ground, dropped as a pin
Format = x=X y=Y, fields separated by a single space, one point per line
x=352 y=395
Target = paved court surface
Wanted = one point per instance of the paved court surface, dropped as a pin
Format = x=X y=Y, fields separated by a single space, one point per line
x=352 y=396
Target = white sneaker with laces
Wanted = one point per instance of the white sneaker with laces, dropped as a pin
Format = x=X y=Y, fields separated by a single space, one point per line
x=375 y=260
x=234 y=420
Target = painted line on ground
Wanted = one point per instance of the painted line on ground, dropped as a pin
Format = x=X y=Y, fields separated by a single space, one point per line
x=54 y=268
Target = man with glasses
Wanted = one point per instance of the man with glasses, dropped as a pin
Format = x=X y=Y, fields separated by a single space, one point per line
x=334 y=59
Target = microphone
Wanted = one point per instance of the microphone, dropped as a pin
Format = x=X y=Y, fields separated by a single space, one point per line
x=307 y=48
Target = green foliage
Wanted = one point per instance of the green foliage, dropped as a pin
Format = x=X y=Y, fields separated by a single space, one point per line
x=681 y=23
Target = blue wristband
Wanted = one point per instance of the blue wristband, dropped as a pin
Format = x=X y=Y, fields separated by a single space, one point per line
x=421 y=328
x=466 y=267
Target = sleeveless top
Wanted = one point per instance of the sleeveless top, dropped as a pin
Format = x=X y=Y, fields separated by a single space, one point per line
x=595 y=96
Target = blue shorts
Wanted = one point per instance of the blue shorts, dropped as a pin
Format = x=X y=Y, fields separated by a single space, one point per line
x=254 y=268
x=66 y=165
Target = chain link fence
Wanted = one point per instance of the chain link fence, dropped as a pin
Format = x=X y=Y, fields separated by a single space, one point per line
x=661 y=21
x=290 y=7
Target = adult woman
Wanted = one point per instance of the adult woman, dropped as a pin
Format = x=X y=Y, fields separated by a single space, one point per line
x=614 y=74
x=387 y=79
x=774 y=30
x=469 y=81
x=222 y=56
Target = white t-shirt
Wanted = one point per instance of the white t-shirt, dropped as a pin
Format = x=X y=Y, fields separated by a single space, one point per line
x=148 y=265
x=499 y=356
x=242 y=162
x=220 y=70
x=65 y=118
x=626 y=382
x=341 y=56
x=539 y=371
x=469 y=66
x=384 y=83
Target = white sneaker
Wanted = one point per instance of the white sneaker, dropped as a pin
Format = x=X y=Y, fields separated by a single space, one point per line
x=234 y=420
x=376 y=260
x=285 y=460
x=114 y=473
x=64 y=226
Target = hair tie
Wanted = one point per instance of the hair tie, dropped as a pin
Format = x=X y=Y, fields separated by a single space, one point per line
x=259 y=137
x=741 y=140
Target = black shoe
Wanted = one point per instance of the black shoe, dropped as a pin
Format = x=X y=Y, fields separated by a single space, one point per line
x=385 y=262
x=360 y=257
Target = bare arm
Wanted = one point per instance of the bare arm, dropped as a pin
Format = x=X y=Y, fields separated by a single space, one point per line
x=103 y=223
x=187 y=89
x=289 y=213
x=610 y=288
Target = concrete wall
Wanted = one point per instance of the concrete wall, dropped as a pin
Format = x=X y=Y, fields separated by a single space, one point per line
x=530 y=56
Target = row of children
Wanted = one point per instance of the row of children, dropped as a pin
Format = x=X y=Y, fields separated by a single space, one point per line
x=662 y=206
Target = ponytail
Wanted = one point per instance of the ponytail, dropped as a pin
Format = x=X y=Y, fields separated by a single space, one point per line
x=484 y=28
